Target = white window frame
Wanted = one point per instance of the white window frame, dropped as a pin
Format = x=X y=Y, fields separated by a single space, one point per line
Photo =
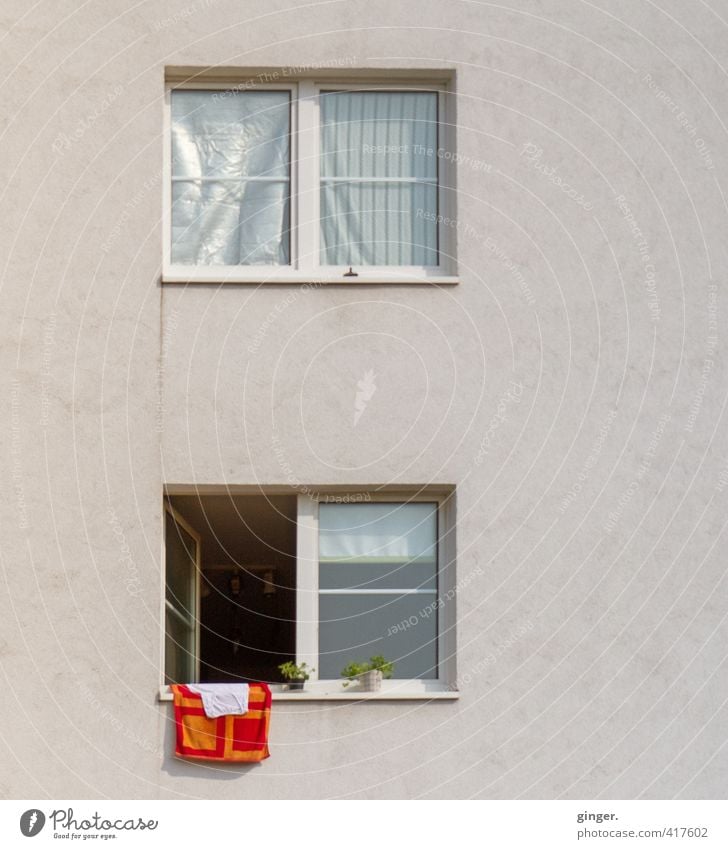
x=444 y=686
x=194 y=588
x=305 y=195
x=307 y=593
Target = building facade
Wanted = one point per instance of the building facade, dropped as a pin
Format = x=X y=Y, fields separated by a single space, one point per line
x=544 y=367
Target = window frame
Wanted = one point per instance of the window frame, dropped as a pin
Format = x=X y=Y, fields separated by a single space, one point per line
x=307 y=591
x=443 y=686
x=305 y=185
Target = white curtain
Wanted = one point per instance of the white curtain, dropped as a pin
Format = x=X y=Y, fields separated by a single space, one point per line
x=230 y=177
x=379 y=178
x=392 y=531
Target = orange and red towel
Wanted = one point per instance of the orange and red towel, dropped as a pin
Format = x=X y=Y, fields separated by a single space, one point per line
x=227 y=738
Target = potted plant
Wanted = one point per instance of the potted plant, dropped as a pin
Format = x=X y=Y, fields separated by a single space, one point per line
x=369 y=673
x=295 y=674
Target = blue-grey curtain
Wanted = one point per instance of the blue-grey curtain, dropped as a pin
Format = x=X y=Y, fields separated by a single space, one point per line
x=378 y=586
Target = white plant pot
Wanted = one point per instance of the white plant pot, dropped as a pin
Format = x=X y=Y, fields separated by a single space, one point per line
x=371 y=681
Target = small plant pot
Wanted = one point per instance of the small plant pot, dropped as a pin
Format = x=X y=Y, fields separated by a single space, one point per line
x=371 y=681
x=296 y=685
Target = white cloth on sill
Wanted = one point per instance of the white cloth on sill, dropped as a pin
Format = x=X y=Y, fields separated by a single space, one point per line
x=222 y=699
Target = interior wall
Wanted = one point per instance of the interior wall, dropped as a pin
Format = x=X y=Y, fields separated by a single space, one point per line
x=244 y=529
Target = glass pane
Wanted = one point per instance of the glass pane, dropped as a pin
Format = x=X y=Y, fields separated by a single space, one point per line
x=181 y=559
x=230 y=133
x=398 y=575
x=180 y=577
x=379 y=224
x=179 y=650
x=355 y=627
x=385 y=137
x=378 y=546
x=378 y=531
x=229 y=223
x=379 y=134
x=239 y=141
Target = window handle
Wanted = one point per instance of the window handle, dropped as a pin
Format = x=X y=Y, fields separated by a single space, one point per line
x=350 y=273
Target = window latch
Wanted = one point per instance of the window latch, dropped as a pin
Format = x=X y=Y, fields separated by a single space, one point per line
x=350 y=273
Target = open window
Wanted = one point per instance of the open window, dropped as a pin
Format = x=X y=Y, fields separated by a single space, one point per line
x=254 y=580
x=181 y=601
x=230 y=576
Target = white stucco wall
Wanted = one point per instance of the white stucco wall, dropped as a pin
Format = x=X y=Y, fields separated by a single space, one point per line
x=594 y=504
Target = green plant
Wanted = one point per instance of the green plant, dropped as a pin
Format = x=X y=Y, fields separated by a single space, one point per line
x=377 y=662
x=293 y=672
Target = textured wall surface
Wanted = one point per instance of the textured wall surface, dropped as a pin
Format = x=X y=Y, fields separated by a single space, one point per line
x=572 y=387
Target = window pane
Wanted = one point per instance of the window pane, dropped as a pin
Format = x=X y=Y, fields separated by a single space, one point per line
x=181 y=552
x=396 y=575
x=180 y=577
x=179 y=650
x=230 y=133
x=379 y=223
x=370 y=532
x=379 y=178
x=378 y=546
x=355 y=627
x=230 y=223
x=379 y=134
x=230 y=177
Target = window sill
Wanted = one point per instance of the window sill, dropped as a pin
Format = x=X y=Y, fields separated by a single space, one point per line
x=297 y=278
x=381 y=696
x=280 y=695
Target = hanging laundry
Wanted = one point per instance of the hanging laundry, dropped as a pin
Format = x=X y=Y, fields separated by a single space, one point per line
x=221 y=699
x=231 y=737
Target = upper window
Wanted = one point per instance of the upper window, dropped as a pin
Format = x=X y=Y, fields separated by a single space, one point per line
x=291 y=181
x=378 y=184
x=231 y=184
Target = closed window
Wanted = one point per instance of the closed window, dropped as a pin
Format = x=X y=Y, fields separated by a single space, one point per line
x=378 y=586
x=281 y=182
x=379 y=198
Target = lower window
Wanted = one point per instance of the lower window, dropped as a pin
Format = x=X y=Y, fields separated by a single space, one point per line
x=255 y=580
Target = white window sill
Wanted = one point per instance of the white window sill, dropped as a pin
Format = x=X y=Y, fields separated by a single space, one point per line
x=263 y=275
x=380 y=696
x=389 y=695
